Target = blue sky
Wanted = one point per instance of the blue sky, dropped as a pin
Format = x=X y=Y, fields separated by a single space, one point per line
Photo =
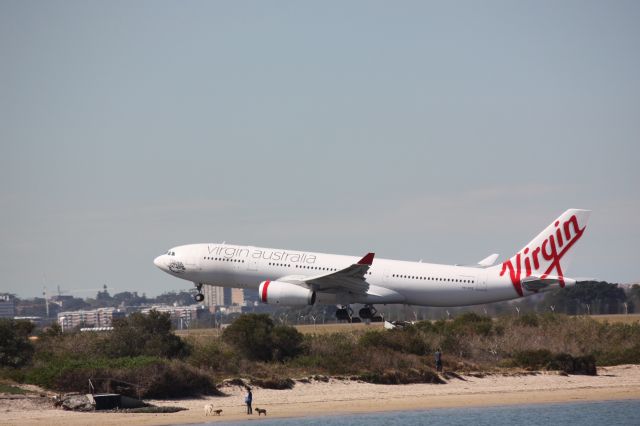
x=442 y=131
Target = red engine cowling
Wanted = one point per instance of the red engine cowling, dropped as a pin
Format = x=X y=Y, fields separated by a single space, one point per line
x=280 y=293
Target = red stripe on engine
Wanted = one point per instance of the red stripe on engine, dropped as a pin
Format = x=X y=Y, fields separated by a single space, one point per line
x=264 y=291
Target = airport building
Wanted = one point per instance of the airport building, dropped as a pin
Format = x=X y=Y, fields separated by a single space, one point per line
x=180 y=315
x=7 y=306
x=102 y=317
x=213 y=296
x=237 y=296
x=222 y=296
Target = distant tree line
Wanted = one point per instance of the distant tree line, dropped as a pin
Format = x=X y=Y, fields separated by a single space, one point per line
x=594 y=297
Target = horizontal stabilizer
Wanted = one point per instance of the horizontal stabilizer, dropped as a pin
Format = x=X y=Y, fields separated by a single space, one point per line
x=489 y=260
x=536 y=284
x=484 y=263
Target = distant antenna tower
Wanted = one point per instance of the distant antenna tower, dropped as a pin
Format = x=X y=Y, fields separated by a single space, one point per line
x=44 y=293
x=46 y=300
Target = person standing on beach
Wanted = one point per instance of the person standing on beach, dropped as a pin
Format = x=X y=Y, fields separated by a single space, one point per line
x=438 y=356
x=248 y=400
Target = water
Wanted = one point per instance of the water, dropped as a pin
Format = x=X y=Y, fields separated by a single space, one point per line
x=607 y=413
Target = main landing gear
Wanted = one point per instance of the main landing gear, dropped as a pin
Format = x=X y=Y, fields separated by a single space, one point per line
x=367 y=313
x=199 y=297
x=344 y=313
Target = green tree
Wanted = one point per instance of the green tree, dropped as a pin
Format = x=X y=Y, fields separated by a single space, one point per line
x=145 y=334
x=183 y=298
x=634 y=298
x=257 y=338
x=602 y=298
x=128 y=298
x=287 y=342
x=74 y=304
x=251 y=335
x=15 y=348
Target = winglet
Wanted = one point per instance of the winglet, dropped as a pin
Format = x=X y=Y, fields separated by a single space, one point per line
x=367 y=260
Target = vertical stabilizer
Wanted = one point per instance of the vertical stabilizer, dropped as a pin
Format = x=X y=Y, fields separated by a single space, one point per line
x=549 y=253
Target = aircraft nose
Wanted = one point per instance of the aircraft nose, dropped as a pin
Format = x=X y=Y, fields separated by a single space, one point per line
x=158 y=262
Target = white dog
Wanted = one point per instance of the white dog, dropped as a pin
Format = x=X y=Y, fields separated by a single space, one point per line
x=208 y=410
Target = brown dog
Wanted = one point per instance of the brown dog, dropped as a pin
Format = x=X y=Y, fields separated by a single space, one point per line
x=217 y=412
x=261 y=411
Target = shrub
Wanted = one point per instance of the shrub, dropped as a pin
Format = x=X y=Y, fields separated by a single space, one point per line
x=251 y=335
x=584 y=365
x=78 y=345
x=140 y=334
x=619 y=355
x=274 y=383
x=535 y=359
x=397 y=377
x=13 y=390
x=175 y=379
x=287 y=342
x=407 y=340
x=148 y=377
x=528 y=320
x=256 y=338
x=543 y=359
x=472 y=323
x=15 y=348
x=214 y=355
x=335 y=353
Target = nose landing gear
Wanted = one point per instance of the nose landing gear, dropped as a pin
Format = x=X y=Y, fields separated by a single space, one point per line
x=199 y=297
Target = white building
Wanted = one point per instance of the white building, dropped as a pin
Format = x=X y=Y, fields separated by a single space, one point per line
x=187 y=313
x=101 y=317
x=222 y=296
x=237 y=296
x=7 y=306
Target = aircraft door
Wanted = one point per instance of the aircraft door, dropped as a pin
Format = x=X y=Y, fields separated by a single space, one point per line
x=481 y=281
x=192 y=262
x=252 y=265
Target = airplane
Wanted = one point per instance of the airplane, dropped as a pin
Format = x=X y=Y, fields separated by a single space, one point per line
x=300 y=278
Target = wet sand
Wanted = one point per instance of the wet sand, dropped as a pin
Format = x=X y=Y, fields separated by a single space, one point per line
x=341 y=397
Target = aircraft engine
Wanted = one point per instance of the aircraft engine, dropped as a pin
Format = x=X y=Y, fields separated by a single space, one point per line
x=280 y=293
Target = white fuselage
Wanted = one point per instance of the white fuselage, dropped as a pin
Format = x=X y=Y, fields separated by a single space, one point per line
x=390 y=281
x=301 y=277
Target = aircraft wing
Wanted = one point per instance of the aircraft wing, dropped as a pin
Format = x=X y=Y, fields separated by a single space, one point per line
x=351 y=279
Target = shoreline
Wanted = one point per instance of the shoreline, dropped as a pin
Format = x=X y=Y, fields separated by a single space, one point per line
x=338 y=397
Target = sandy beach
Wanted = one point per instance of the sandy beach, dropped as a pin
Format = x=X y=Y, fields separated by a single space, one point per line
x=337 y=396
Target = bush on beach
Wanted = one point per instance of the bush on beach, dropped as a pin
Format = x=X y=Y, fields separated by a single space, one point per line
x=543 y=359
x=160 y=364
x=15 y=348
x=257 y=338
x=147 y=377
